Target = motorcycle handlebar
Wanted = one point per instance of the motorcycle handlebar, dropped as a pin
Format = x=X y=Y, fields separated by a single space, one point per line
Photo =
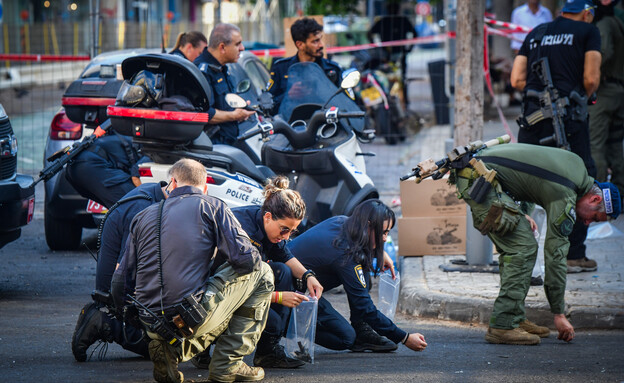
x=250 y=133
x=351 y=114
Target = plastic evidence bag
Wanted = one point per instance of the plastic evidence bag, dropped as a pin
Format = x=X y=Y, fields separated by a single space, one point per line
x=299 y=341
x=388 y=294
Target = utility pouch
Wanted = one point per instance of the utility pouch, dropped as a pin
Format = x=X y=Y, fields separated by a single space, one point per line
x=181 y=326
x=191 y=310
x=479 y=190
x=490 y=222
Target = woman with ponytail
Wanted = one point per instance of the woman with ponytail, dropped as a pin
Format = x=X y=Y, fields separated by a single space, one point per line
x=189 y=45
x=269 y=227
x=340 y=251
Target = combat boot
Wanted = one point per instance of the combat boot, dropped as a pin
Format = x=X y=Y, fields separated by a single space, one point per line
x=243 y=373
x=515 y=336
x=91 y=327
x=581 y=265
x=532 y=328
x=366 y=339
x=202 y=360
x=165 y=363
x=271 y=354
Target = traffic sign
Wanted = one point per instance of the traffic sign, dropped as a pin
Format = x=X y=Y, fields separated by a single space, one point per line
x=423 y=8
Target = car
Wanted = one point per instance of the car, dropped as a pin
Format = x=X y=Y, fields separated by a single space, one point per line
x=66 y=212
x=17 y=193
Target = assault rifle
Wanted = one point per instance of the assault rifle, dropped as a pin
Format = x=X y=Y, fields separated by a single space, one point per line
x=68 y=153
x=159 y=326
x=457 y=158
x=552 y=105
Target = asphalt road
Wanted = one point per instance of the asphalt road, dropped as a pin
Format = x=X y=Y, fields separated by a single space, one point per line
x=41 y=293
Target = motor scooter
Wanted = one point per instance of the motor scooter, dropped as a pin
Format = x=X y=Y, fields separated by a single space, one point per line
x=315 y=142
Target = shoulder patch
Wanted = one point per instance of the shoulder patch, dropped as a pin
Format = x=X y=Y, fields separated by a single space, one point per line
x=360 y=275
x=269 y=84
x=565 y=222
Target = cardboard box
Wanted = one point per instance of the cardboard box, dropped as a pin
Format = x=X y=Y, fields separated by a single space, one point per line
x=430 y=198
x=432 y=236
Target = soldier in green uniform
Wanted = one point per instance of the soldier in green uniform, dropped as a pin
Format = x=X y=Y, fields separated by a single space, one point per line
x=556 y=180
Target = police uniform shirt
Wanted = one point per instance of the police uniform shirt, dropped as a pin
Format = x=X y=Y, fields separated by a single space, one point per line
x=221 y=84
x=565 y=44
x=178 y=52
x=251 y=220
x=106 y=156
x=316 y=251
x=279 y=76
x=558 y=201
x=116 y=229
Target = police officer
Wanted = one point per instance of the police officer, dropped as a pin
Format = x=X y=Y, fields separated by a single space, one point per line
x=106 y=171
x=167 y=266
x=556 y=180
x=307 y=35
x=340 y=251
x=572 y=45
x=189 y=45
x=606 y=123
x=96 y=320
x=224 y=46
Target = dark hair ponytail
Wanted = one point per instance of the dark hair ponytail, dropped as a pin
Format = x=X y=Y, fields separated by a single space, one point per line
x=281 y=201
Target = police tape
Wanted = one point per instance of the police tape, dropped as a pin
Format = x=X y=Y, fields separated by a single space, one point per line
x=439 y=38
x=41 y=58
x=514 y=28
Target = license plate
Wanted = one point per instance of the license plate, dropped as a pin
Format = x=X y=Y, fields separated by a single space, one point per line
x=95 y=208
x=371 y=96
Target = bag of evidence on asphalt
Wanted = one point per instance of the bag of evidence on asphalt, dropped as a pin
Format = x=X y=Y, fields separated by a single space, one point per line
x=299 y=341
x=388 y=294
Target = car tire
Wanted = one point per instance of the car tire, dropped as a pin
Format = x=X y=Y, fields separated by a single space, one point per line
x=61 y=234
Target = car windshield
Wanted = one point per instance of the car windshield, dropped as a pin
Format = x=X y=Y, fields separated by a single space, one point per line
x=310 y=85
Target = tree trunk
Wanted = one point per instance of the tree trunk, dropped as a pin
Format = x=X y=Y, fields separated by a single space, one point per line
x=469 y=72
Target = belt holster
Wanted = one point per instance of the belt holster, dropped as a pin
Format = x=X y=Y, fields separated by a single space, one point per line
x=482 y=186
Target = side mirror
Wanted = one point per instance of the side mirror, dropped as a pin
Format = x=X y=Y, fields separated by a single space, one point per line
x=243 y=86
x=350 y=79
x=235 y=101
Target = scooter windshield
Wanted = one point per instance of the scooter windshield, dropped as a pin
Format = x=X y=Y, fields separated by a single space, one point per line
x=308 y=84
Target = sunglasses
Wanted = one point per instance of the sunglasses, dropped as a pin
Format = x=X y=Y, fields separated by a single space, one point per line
x=285 y=230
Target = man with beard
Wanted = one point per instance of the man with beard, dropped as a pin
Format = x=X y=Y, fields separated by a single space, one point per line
x=308 y=37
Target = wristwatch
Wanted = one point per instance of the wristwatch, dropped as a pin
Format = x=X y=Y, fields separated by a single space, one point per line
x=307 y=274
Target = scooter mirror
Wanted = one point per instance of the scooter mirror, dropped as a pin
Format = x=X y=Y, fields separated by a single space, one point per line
x=243 y=86
x=235 y=101
x=351 y=79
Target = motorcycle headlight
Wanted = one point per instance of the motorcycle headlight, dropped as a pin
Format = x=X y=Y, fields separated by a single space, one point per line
x=2 y=112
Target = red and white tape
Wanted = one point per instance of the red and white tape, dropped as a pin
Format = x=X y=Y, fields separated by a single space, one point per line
x=506 y=24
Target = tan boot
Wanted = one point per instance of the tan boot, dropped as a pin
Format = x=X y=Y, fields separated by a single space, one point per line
x=515 y=336
x=243 y=373
x=532 y=328
x=165 y=363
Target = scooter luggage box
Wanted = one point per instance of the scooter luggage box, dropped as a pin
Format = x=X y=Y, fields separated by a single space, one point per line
x=156 y=124
x=86 y=99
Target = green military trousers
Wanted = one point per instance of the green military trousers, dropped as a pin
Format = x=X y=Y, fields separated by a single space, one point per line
x=518 y=252
x=237 y=307
x=606 y=132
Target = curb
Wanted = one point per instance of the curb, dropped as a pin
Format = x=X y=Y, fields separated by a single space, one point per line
x=416 y=299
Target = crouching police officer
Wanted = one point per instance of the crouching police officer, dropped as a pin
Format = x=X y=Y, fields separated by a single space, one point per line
x=307 y=35
x=167 y=266
x=107 y=170
x=97 y=320
x=554 y=179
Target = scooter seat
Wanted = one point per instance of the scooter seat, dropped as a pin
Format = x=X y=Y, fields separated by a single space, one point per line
x=241 y=163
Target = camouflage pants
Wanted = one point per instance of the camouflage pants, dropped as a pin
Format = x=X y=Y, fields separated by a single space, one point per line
x=518 y=252
x=237 y=307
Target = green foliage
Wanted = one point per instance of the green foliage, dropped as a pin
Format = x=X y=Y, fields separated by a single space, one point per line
x=332 y=7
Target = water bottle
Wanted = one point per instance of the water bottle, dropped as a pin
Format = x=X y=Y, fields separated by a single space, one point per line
x=391 y=250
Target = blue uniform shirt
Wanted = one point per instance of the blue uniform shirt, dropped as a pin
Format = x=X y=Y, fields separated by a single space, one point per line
x=116 y=230
x=221 y=84
x=279 y=76
x=315 y=250
x=178 y=52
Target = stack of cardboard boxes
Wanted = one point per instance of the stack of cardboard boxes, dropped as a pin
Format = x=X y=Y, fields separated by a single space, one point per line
x=434 y=219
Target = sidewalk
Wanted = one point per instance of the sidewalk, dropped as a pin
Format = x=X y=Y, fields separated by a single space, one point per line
x=593 y=300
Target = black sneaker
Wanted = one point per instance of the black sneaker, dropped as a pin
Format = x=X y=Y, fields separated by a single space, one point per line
x=275 y=358
x=366 y=339
x=89 y=329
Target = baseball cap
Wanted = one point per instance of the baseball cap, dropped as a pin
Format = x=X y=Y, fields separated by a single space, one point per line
x=578 y=6
x=610 y=198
